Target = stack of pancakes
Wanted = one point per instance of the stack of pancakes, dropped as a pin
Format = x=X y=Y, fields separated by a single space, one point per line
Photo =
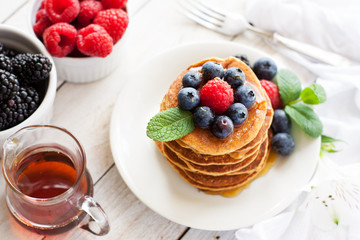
x=216 y=165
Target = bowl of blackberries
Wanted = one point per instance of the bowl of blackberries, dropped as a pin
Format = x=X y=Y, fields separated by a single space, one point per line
x=85 y=38
x=27 y=81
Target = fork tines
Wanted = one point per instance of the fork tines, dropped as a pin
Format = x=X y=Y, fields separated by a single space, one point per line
x=204 y=15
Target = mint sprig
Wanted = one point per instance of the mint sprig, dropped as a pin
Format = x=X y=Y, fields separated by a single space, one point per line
x=314 y=94
x=171 y=124
x=289 y=85
x=306 y=118
x=296 y=101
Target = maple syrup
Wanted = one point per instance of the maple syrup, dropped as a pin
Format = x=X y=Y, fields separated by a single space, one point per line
x=45 y=174
x=49 y=189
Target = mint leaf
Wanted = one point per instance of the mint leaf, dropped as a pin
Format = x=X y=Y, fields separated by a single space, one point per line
x=171 y=124
x=306 y=118
x=314 y=94
x=289 y=85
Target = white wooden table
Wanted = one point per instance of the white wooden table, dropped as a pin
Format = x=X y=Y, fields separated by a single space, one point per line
x=85 y=110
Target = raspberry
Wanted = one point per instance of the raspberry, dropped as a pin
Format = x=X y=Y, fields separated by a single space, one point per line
x=88 y=11
x=42 y=4
x=115 y=22
x=42 y=22
x=272 y=91
x=114 y=3
x=93 y=40
x=62 y=10
x=60 y=39
x=217 y=94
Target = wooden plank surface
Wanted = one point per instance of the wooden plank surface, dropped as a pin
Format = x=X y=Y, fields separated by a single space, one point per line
x=10 y=8
x=85 y=110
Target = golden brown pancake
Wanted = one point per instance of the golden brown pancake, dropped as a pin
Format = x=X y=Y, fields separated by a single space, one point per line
x=207 y=160
x=202 y=140
x=213 y=169
x=218 y=165
x=218 y=184
x=224 y=181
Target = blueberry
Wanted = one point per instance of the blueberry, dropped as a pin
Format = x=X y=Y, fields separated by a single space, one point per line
x=211 y=69
x=243 y=58
x=235 y=77
x=188 y=98
x=237 y=113
x=282 y=143
x=265 y=68
x=203 y=116
x=191 y=79
x=281 y=122
x=245 y=95
x=222 y=127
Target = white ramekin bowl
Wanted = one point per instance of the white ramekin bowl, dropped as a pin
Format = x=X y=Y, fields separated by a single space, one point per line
x=82 y=69
x=15 y=38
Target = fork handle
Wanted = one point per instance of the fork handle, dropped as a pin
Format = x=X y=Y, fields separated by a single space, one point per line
x=312 y=51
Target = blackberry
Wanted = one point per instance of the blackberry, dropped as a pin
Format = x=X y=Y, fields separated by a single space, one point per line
x=9 y=85
x=9 y=52
x=5 y=63
x=13 y=111
x=31 y=68
x=30 y=96
x=19 y=108
x=243 y=58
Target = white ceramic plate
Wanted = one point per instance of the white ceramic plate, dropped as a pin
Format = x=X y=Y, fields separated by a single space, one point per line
x=158 y=186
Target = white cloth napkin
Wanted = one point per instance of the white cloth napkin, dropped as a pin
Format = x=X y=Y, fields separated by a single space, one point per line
x=338 y=174
x=330 y=24
x=329 y=206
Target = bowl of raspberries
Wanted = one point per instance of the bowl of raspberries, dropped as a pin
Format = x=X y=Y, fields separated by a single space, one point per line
x=28 y=81
x=84 y=37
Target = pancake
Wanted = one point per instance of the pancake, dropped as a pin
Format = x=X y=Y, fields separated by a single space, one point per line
x=221 y=166
x=202 y=140
x=206 y=160
x=213 y=169
x=226 y=181
x=231 y=158
x=218 y=184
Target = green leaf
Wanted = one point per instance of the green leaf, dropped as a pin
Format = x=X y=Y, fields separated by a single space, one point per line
x=171 y=124
x=327 y=139
x=289 y=85
x=314 y=94
x=327 y=144
x=306 y=118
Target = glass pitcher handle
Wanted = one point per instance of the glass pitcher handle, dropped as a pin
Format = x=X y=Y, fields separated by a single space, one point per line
x=98 y=223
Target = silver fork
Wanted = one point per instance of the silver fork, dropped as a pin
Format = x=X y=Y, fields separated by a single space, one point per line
x=234 y=24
